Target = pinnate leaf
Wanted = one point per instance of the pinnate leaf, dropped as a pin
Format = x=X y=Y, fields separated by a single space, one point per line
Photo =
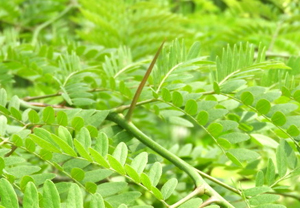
x=169 y=187
x=140 y=162
x=116 y=165
x=155 y=173
x=263 y=106
x=48 y=115
x=191 y=107
x=202 y=117
x=77 y=174
x=31 y=198
x=74 y=199
x=8 y=195
x=120 y=153
x=50 y=195
x=278 y=118
x=96 y=201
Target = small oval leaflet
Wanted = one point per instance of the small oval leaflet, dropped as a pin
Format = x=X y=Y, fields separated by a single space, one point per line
x=247 y=98
x=169 y=187
x=278 y=118
x=263 y=106
x=191 y=107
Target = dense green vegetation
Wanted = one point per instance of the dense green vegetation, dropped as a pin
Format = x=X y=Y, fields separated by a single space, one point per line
x=215 y=121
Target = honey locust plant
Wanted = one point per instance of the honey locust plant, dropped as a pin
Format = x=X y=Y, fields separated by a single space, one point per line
x=104 y=123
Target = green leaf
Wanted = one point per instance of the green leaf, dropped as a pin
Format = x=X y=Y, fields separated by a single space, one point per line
x=50 y=195
x=202 y=117
x=263 y=106
x=264 y=141
x=157 y=193
x=263 y=199
x=78 y=174
x=62 y=118
x=14 y=103
x=30 y=145
x=84 y=137
x=232 y=85
x=293 y=131
x=96 y=201
x=177 y=99
x=3 y=97
x=146 y=181
x=77 y=123
x=31 y=198
x=215 y=129
x=45 y=135
x=33 y=116
x=91 y=187
x=247 y=98
x=2 y=165
x=132 y=173
x=16 y=113
x=166 y=95
x=140 y=162
x=169 y=187
x=194 y=50
x=122 y=206
x=234 y=159
x=99 y=158
x=8 y=195
x=18 y=141
x=44 y=144
x=3 y=124
x=120 y=153
x=4 y=110
x=96 y=175
x=124 y=198
x=116 y=165
x=192 y=203
x=93 y=130
x=278 y=118
x=281 y=159
x=244 y=154
x=102 y=144
x=257 y=190
x=65 y=135
x=64 y=146
x=270 y=173
x=224 y=143
x=292 y=160
x=111 y=188
x=22 y=170
x=48 y=115
x=216 y=88
x=235 y=137
x=180 y=121
x=75 y=199
x=271 y=206
x=24 y=181
x=259 y=179
x=191 y=107
x=81 y=150
x=296 y=95
x=155 y=173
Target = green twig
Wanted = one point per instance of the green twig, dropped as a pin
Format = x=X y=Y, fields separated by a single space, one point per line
x=190 y=170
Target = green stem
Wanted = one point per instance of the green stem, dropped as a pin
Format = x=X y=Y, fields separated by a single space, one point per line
x=198 y=180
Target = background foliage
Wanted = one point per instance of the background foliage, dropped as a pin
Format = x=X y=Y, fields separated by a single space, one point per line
x=217 y=124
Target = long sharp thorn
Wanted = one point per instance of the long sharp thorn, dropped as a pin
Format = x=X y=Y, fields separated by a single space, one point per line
x=142 y=84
